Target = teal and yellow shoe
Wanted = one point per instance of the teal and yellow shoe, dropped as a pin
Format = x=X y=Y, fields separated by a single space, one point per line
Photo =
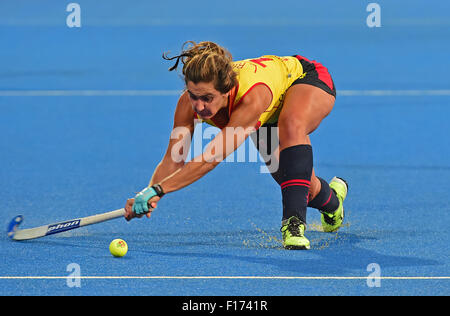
x=293 y=231
x=331 y=222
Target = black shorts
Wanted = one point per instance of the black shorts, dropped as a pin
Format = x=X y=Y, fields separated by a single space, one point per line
x=316 y=75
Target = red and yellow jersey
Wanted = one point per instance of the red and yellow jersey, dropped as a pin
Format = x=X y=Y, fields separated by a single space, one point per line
x=276 y=73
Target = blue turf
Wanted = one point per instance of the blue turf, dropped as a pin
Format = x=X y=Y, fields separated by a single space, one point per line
x=68 y=157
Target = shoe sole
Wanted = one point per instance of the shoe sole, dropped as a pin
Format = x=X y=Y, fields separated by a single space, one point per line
x=293 y=247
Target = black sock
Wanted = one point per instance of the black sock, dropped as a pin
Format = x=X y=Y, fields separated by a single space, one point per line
x=296 y=164
x=326 y=200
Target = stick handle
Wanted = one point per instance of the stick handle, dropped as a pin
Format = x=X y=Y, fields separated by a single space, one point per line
x=102 y=217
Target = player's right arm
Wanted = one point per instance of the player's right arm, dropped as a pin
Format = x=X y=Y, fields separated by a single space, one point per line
x=179 y=143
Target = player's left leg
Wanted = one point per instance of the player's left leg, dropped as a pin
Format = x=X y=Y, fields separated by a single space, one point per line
x=333 y=216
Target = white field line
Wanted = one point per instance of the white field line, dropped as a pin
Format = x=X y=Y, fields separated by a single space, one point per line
x=388 y=93
x=93 y=93
x=223 y=277
x=86 y=93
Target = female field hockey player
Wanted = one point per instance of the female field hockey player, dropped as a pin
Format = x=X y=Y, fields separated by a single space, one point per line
x=252 y=95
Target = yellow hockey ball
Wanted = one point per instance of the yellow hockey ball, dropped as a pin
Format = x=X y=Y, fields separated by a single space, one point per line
x=118 y=248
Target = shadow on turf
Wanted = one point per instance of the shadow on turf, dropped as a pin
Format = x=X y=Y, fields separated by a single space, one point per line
x=331 y=254
x=338 y=253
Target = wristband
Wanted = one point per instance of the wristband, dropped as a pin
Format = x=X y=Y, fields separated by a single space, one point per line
x=158 y=189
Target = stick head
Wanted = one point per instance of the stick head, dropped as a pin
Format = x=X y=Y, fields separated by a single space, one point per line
x=12 y=227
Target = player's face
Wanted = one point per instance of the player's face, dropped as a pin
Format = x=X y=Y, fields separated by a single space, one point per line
x=205 y=99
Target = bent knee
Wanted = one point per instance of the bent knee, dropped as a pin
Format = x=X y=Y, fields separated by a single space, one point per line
x=292 y=129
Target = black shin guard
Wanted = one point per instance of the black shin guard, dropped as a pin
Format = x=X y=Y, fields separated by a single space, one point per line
x=296 y=164
x=326 y=200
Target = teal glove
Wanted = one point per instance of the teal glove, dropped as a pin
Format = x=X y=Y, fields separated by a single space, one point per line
x=140 y=205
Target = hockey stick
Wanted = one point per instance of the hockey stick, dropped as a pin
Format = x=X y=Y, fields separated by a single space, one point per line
x=60 y=227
